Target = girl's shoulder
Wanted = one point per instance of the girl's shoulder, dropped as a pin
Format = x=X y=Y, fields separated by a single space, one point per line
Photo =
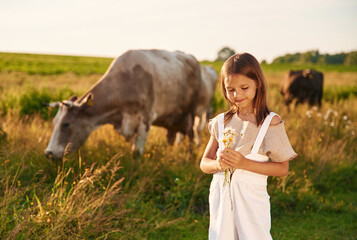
x=276 y=120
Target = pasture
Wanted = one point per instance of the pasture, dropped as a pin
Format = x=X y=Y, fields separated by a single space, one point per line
x=102 y=192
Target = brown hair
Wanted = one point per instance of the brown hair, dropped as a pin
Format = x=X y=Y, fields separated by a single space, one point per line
x=247 y=65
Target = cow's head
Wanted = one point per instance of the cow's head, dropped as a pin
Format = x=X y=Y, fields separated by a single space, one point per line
x=288 y=97
x=71 y=126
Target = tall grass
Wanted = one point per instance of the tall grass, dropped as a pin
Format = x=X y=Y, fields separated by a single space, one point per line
x=103 y=192
x=67 y=209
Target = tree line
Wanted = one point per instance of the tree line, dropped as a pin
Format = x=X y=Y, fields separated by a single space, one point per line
x=314 y=57
x=309 y=57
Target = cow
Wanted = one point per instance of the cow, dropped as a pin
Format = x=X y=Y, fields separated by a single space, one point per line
x=302 y=85
x=141 y=88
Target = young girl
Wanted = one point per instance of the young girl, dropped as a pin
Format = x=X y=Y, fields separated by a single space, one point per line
x=261 y=148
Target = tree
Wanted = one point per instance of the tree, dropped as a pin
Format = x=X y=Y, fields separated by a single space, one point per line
x=351 y=59
x=225 y=53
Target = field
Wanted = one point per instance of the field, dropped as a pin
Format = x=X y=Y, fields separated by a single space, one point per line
x=102 y=192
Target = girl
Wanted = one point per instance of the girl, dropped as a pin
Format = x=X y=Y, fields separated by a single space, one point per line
x=241 y=209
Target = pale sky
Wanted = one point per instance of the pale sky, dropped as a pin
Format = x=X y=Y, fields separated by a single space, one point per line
x=264 y=28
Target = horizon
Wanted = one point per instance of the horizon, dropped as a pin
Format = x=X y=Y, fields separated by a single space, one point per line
x=201 y=60
x=201 y=28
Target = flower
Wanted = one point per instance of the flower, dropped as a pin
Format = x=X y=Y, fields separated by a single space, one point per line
x=229 y=135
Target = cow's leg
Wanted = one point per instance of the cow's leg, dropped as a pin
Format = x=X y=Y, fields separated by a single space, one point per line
x=142 y=135
x=178 y=138
x=134 y=129
x=171 y=136
x=196 y=129
x=189 y=126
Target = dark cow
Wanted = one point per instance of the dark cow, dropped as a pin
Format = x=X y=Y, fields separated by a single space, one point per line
x=140 y=88
x=302 y=85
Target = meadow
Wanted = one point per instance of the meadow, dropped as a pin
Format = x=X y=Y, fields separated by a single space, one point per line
x=103 y=192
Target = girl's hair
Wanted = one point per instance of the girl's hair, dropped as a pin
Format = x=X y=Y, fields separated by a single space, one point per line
x=247 y=65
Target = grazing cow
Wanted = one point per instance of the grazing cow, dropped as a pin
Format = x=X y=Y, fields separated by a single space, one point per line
x=302 y=85
x=140 y=88
x=206 y=95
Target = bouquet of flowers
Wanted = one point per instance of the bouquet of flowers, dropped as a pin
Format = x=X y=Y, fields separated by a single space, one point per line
x=229 y=136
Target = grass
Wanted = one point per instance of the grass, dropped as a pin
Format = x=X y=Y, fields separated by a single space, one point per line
x=103 y=192
x=52 y=64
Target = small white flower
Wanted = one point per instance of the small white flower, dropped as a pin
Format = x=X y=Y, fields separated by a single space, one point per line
x=309 y=114
x=229 y=131
x=319 y=115
x=332 y=124
x=345 y=117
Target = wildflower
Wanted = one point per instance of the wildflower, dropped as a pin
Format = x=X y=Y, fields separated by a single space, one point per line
x=309 y=114
x=345 y=117
x=229 y=135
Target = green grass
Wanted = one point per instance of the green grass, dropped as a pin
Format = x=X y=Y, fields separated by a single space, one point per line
x=52 y=64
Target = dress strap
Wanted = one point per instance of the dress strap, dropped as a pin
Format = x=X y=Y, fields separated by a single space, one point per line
x=220 y=130
x=262 y=132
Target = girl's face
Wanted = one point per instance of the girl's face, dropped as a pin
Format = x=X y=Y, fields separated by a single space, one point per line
x=241 y=91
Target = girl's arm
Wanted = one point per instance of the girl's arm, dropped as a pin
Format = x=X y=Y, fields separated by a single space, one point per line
x=208 y=163
x=237 y=160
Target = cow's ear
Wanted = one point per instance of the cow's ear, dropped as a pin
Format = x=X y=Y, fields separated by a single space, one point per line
x=89 y=100
x=73 y=98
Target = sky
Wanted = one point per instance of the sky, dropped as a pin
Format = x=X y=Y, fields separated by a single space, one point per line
x=265 y=28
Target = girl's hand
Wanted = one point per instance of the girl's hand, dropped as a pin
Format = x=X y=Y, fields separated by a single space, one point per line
x=221 y=166
x=232 y=158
